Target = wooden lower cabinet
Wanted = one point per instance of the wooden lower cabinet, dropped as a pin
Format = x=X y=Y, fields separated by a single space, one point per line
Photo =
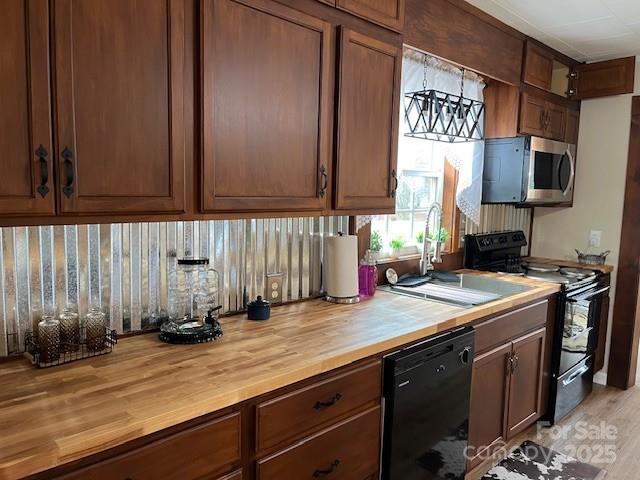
x=205 y=451
x=349 y=451
x=525 y=382
x=293 y=415
x=506 y=393
x=489 y=403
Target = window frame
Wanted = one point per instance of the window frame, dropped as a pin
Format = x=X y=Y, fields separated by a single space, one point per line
x=452 y=253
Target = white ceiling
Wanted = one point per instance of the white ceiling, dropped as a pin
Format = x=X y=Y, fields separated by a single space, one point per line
x=586 y=30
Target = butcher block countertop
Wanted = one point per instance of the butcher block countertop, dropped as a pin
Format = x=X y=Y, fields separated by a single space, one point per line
x=570 y=263
x=53 y=416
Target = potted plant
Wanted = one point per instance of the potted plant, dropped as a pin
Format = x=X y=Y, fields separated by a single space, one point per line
x=375 y=244
x=396 y=244
x=441 y=236
x=420 y=241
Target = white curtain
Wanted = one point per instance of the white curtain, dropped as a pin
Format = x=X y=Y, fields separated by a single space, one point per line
x=466 y=157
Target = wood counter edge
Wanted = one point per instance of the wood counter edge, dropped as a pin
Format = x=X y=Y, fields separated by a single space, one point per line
x=317 y=365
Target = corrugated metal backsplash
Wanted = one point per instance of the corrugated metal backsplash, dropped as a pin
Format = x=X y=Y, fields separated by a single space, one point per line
x=124 y=267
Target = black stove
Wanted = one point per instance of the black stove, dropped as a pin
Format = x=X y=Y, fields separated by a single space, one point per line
x=500 y=252
x=575 y=331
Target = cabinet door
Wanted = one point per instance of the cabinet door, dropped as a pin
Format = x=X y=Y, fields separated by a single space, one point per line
x=602 y=79
x=25 y=126
x=532 y=115
x=556 y=121
x=267 y=113
x=525 y=382
x=572 y=126
x=538 y=67
x=367 y=122
x=119 y=105
x=389 y=13
x=489 y=396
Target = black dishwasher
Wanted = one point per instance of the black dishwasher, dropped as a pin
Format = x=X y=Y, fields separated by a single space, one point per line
x=426 y=399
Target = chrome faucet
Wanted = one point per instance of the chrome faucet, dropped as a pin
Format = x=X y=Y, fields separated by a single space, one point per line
x=425 y=261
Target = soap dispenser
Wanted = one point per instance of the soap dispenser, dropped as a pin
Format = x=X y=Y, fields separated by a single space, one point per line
x=367 y=275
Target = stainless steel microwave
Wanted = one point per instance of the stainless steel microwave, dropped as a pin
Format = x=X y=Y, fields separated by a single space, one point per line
x=529 y=170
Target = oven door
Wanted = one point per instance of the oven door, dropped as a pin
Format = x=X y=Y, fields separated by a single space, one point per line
x=580 y=327
x=551 y=171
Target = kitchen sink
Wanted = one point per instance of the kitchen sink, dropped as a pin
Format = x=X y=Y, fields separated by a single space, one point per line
x=461 y=290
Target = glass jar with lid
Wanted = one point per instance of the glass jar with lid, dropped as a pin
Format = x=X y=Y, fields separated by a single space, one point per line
x=69 y=329
x=193 y=303
x=49 y=339
x=95 y=330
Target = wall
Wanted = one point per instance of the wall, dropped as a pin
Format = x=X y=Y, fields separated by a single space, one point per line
x=127 y=268
x=600 y=182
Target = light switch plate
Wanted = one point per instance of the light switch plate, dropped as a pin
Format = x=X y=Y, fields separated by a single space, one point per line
x=274 y=287
x=595 y=238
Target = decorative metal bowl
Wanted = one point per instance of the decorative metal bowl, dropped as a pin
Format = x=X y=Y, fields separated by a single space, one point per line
x=592 y=258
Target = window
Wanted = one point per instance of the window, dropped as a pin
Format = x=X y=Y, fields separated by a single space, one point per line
x=425 y=174
x=420 y=184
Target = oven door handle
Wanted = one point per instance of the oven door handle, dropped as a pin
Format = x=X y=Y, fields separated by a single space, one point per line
x=589 y=294
x=572 y=378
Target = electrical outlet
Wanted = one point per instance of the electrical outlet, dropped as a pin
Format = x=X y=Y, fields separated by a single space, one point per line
x=274 y=287
x=595 y=238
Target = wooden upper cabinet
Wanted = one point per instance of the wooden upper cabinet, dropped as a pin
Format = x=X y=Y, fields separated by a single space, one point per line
x=572 y=126
x=532 y=115
x=525 y=386
x=119 y=69
x=556 y=121
x=267 y=88
x=25 y=126
x=538 y=66
x=602 y=79
x=389 y=13
x=369 y=94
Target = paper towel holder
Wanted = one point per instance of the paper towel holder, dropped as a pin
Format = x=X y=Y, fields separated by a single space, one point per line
x=345 y=300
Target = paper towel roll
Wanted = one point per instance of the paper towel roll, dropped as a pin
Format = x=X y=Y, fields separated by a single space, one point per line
x=341 y=267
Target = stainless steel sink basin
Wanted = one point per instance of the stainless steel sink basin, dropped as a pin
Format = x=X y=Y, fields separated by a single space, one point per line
x=466 y=291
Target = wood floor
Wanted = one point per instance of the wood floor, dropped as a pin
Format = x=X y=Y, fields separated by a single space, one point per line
x=603 y=431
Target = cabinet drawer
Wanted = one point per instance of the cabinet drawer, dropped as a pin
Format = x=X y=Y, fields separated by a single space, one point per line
x=348 y=451
x=201 y=451
x=298 y=413
x=506 y=327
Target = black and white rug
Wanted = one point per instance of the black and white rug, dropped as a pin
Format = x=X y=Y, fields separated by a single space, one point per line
x=531 y=461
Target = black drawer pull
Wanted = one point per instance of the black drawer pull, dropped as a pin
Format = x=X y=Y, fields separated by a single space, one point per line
x=329 y=471
x=324 y=181
x=42 y=153
x=320 y=405
x=67 y=155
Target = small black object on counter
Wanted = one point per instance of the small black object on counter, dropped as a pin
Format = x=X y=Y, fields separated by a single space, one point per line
x=259 y=309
